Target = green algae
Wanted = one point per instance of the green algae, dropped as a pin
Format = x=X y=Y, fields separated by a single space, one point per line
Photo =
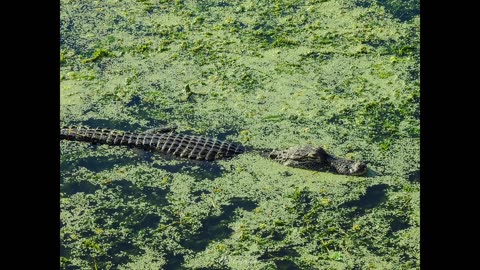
x=102 y=53
x=270 y=74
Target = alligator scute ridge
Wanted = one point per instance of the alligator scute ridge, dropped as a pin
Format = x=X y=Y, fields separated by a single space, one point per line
x=203 y=148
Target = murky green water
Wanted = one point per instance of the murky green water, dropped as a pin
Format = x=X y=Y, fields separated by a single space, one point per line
x=342 y=74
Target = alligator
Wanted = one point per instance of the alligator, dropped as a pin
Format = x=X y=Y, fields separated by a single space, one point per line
x=166 y=140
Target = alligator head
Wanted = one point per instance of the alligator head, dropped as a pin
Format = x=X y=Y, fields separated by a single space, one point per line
x=315 y=158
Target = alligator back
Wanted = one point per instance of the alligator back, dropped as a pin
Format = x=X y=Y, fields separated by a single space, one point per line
x=180 y=145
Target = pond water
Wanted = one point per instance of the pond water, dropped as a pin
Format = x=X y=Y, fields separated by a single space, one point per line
x=340 y=74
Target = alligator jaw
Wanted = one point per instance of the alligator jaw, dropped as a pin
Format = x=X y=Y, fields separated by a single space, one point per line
x=315 y=158
x=347 y=167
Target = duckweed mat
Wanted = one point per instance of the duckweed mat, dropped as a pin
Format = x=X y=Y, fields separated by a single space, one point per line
x=341 y=74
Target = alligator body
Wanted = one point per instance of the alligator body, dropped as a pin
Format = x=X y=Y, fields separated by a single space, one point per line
x=163 y=140
x=166 y=140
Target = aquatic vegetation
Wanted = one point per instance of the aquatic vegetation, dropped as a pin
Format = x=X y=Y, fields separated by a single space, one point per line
x=342 y=74
x=97 y=55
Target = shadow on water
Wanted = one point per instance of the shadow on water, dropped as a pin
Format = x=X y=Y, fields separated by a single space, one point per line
x=174 y=261
x=135 y=101
x=135 y=218
x=414 y=176
x=374 y=196
x=200 y=170
x=150 y=112
x=152 y=195
x=286 y=265
x=216 y=227
x=105 y=162
x=398 y=224
x=281 y=257
x=404 y=10
x=86 y=187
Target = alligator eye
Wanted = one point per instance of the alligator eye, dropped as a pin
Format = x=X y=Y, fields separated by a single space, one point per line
x=358 y=169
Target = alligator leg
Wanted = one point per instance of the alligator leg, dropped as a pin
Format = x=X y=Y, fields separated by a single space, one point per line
x=161 y=129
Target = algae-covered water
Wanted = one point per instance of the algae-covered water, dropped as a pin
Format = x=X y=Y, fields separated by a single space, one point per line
x=341 y=74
